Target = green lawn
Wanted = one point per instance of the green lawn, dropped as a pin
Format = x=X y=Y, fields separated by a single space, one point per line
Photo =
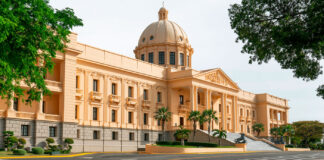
x=180 y=146
x=10 y=154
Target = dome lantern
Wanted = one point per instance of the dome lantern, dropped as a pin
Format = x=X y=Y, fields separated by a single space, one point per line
x=163 y=14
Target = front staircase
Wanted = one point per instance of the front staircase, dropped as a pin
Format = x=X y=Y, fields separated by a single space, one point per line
x=252 y=143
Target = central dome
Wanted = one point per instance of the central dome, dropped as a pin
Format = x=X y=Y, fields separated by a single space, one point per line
x=163 y=31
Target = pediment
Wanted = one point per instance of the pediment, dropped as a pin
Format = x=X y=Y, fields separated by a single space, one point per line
x=219 y=77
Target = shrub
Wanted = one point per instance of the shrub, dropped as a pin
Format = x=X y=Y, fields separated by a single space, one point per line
x=69 y=141
x=38 y=150
x=50 y=140
x=290 y=146
x=19 y=152
x=199 y=144
x=21 y=143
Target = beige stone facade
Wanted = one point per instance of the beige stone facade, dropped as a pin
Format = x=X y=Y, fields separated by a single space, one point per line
x=106 y=101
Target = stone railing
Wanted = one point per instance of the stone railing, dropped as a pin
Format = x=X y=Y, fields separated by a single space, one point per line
x=54 y=85
x=25 y=115
x=131 y=101
x=183 y=108
x=242 y=118
x=248 y=118
x=79 y=93
x=146 y=104
x=95 y=96
x=52 y=117
x=114 y=98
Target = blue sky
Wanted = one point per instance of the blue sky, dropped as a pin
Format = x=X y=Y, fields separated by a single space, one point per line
x=117 y=25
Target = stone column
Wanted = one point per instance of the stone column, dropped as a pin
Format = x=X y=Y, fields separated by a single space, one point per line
x=40 y=115
x=223 y=102
x=207 y=98
x=235 y=115
x=192 y=98
x=10 y=110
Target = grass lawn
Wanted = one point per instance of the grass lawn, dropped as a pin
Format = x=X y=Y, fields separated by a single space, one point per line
x=10 y=154
x=180 y=146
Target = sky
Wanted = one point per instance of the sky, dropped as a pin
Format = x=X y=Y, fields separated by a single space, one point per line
x=117 y=25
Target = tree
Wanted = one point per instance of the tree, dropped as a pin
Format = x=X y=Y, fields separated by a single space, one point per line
x=162 y=115
x=258 y=127
x=289 y=31
x=209 y=116
x=288 y=131
x=182 y=134
x=220 y=134
x=275 y=133
x=308 y=131
x=194 y=116
x=9 y=140
x=31 y=34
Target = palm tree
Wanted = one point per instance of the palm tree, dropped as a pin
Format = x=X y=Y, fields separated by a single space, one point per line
x=258 y=127
x=182 y=134
x=194 y=116
x=209 y=116
x=220 y=134
x=163 y=115
x=275 y=132
x=288 y=131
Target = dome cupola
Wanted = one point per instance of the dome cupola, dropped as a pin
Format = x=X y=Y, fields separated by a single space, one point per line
x=165 y=43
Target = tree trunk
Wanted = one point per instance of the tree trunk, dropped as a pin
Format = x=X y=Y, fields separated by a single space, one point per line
x=219 y=142
x=182 y=142
x=209 y=131
x=194 y=131
x=163 y=131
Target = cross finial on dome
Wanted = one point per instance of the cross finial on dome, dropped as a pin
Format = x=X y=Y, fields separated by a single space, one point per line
x=163 y=13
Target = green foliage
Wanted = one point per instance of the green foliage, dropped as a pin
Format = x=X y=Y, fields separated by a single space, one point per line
x=199 y=144
x=69 y=141
x=288 y=31
x=221 y=134
x=182 y=133
x=31 y=34
x=308 y=131
x=258 y=127
x=38 y=150
x=21 y=143
x=50 y=140
x=68 y=147
x=194 y=116
x=19 y=152
x=9 y=139
x=208 y=116
x=163 y=115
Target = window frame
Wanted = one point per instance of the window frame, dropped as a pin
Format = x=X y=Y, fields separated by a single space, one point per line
x=52 y=131
x=159 y=97
x=131 y=136
x=146 y=137
x=143 y=57
x=181 y=59
x=130 y=117
x=15 y=103
x=96 y=135
x=172 y=58
x=130 y=91
x=95 y=116
x=181 y=99
x=151 y=57
x=145 y=118
x=24 y=130
x=161 y=57
x=113 y=115
x=145 y=94
x=95 y=85
x=114 y=135
x=113 y=89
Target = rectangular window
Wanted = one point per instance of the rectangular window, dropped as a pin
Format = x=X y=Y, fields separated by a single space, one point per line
x=113 y=115
x=114 y=135
x=146 y=137
x=143 y=57
x=95 y=85
x=131 y=136
x=24 y=130
x=76 y=111
x=43 y=106
x=145 y=118
x=52 y=131
x=161 y=58
x=77 y=82
x=172 y=58
x=130 y=117
x=159 y=123
x=181 y=121
x=78 y=133
x=130 y=91
x=95 y=113
x=181 y=99
x=96 y=135
x=181 y=59
x=145 y=94
x=188 y=61
x=151 y=58
x=159 y=97
x=160 y=137
x=113 y=88
x=15 y=104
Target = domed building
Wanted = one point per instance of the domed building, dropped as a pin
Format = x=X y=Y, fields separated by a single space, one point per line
x=105 y=101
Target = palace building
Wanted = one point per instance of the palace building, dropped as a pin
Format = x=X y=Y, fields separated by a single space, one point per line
x=106 y=101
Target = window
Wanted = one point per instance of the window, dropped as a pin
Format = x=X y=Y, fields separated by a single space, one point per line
x=198 y=97
x=220 y=107
x=77 y=82
x=158 y=96
x=160 y=138
x=161 y=58
x=52 y=131
x=95 y=113
x=247 y=113
x=95 y=85
x=15 y=104
x=143 y=57
x=188 y=61
x=96 y=135
x=113 y=88
x=131 y=136
x=130 y=91
x=151 y=57
x=181 y=59
x=114 y=135
x=146 y=137
x=113 y=115
x=172 y=58
x=130 y=117
x=145 y=118
x=145 y=94
x=152 y=37
x=24 y=130
x=78 y=133
x=181 y=99
x=181 y=121
x=76 y=112
x=43 y=106
x=241 y=112
x=159 y=123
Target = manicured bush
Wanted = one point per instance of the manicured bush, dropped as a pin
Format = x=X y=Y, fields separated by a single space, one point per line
x=290 y=146
x=69 y=141
x=19 y=152
x=38 y=150
x=50 y=140
x=200 y=144
x=21 y=143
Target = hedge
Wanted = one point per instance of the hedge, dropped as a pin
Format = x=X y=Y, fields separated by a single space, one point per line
x=19 y=152
x=37 y=150
x=199 y=144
